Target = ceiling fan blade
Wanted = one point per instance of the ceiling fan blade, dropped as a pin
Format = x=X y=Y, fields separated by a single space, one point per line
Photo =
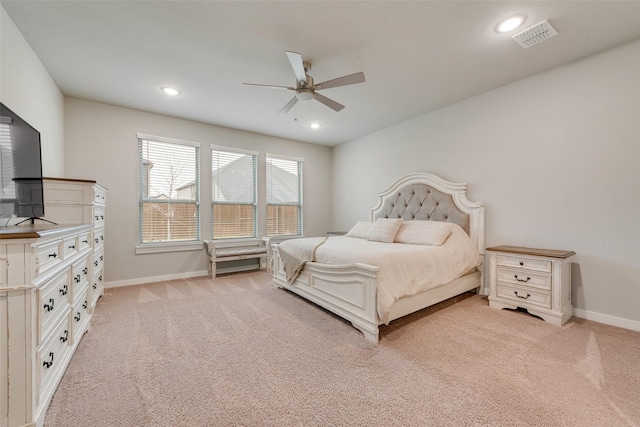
x=342 y=81
x=290 y=104
x=329 y=102
x=269 y=86
x=298 y=66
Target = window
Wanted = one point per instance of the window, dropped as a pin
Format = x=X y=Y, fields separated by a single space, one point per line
x=233 y=193
x=284 y=196
x=169 y=189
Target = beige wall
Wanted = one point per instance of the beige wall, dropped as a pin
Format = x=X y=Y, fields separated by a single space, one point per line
x=101 y=144
x=27 y=88
x=555 y=159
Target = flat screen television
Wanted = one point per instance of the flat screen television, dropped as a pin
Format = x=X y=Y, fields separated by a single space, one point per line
x=21 y=192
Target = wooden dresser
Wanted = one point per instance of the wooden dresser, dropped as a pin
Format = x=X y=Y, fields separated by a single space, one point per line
x=77 y=201
x=44 y=294
x=537 y=280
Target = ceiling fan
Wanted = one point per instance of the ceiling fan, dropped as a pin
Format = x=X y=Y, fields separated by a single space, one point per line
x=305 y=88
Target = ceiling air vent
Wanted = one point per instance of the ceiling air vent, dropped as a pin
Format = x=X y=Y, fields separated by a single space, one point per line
x=534 y=35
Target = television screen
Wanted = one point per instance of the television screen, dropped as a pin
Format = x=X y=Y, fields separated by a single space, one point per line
x=20 y=168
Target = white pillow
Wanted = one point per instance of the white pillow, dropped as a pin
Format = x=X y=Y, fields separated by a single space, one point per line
x=385 y=229
x=360 y=230
x=420 y=232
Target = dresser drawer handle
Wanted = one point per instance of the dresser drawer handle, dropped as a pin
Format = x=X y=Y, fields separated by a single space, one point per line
x=519 y=296
x=77 y=317
x=65 y=336
x=53 y=255
x=47 y=363
x=521 y=263
x=49 y=306
x=72 y=246
x=63 y=290
x=84 y=305
x=522 y=280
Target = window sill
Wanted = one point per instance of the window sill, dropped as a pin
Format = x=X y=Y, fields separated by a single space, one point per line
x=168 y=247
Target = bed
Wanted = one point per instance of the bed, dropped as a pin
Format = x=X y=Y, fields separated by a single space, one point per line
x=356 y=286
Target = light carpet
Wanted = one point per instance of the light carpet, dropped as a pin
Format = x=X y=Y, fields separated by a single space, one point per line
x=236 y=351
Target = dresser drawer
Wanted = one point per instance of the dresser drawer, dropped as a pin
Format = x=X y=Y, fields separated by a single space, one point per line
x=523 y=278
x=98 y=239
x=100 y=195
x=515 y=261
x=524 y=297
x=53 y=300
x=98 y=216
x=47 y=256
x=51 y=355
x=80 y=316
x=79 y=276
x=70 y=247
x=84 y=240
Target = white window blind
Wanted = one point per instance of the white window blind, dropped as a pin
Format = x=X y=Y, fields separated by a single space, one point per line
x=233 y=193
x=169 y=189
x=7 y=186
x=284 y=196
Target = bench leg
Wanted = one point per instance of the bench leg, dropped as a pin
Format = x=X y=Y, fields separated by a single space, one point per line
x=213 y=270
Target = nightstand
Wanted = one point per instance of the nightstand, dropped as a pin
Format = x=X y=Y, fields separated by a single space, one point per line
x=536 y=280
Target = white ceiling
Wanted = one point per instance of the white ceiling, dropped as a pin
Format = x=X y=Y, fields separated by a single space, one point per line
x=417 y=56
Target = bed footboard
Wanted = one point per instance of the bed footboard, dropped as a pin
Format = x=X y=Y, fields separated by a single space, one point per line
x=346 y=290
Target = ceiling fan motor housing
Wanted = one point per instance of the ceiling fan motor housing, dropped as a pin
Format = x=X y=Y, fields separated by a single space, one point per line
x=304 y=94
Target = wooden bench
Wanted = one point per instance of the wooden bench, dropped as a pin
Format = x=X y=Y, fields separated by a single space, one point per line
x=216 y=255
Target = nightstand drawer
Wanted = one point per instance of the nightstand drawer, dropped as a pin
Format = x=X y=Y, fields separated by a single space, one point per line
x=515 y=261
x=524 y=278
x=530 y=297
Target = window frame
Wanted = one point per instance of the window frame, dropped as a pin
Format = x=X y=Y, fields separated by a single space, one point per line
x=225 y=242
x=170 y=246
x=300 y=204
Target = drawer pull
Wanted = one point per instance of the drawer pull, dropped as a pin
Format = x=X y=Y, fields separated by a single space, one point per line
x=77 y=317
x=85 y=241
x=63 y=290
x=522 y=280
x=95 y=286
x=47 y=363
x=96 y=239
x=72 y=246
x=521 y=263
x=85 y=270
x=53 y=255
x=520 y=296
x=84 y=305
x=65 y=336
x=49 y=306
x=95 y=263
x=76 y=278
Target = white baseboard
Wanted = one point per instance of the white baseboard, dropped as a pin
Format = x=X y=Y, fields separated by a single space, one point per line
x=633 y=325
x=152 y=279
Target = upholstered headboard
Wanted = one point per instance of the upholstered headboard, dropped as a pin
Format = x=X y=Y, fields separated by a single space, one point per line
x=423 y=196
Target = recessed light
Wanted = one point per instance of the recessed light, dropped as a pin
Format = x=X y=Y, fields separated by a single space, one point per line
x=170 y=91
x=510 y=24
x=314 y=125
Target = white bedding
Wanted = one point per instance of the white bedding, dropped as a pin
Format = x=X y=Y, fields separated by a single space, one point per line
x=405 y=269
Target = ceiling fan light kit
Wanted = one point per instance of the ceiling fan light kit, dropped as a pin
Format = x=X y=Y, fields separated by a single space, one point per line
x=305 y=89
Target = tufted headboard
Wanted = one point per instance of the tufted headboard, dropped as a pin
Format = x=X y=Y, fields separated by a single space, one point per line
x=423 y=196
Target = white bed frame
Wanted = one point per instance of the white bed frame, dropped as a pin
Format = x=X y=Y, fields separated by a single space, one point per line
x=350 y=291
